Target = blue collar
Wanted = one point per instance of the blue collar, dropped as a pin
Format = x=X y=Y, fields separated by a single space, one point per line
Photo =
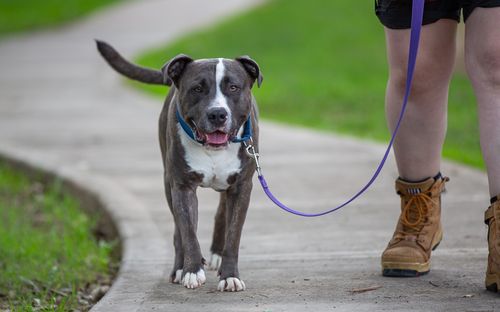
x=246 y=135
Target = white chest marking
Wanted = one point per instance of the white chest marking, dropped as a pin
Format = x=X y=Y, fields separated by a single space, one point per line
x=220 y=99
x=215 y=165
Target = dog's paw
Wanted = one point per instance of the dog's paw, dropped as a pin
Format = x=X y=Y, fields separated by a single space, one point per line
x=194 y=280
x=177 y=278
x=215 y=261
x=231 y=284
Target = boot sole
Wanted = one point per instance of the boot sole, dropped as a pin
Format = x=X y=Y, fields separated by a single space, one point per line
x=492 y=282
x=407 y=269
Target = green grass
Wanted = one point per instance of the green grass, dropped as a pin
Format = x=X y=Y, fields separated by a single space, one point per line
x=324 y=66
x=19 y=15
x=48 y=254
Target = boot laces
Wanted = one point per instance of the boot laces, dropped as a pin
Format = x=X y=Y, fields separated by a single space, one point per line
x=415 y=211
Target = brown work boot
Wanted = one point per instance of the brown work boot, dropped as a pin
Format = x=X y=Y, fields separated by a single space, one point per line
x=492 y=219
x=418 y=230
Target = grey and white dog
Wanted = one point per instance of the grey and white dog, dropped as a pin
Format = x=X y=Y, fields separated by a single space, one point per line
x=213 y=98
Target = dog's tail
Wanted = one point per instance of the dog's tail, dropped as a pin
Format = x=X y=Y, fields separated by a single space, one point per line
x=124 y=67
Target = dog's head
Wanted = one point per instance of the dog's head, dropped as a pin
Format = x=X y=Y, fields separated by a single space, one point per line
x=213 y=95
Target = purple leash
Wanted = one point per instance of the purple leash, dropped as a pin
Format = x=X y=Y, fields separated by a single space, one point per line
x=416 y=27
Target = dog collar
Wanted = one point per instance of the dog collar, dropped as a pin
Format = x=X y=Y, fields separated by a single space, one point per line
x=245 y=136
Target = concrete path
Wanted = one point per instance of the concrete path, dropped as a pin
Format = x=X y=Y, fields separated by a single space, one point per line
x=63 y=109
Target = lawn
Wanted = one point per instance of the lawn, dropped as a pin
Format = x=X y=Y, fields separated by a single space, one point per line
x=49 y=258
x=19 y=15
x=324 y=66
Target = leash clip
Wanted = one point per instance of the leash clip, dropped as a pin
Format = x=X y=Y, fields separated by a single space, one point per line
x=250 y=149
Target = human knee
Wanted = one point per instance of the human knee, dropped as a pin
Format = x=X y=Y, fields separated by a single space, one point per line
x=484 y=67
x=429 y=77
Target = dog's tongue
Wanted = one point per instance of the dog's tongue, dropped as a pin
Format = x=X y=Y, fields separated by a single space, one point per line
x=217 y=137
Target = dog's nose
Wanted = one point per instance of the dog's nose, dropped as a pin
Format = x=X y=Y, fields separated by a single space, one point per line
x=217 y=116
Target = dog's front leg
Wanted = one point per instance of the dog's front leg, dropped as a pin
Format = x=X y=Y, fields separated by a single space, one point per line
x=185 y=209
x=219 y=235
x=238 y=199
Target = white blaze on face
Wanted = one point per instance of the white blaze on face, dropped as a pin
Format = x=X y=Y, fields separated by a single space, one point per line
x=220 y=99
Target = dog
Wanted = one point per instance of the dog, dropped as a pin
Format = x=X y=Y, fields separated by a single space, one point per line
x=208 y=116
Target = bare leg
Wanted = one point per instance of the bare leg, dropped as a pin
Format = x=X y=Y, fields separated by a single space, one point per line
x=420 y=139
x=482 y=58
x=419 y=143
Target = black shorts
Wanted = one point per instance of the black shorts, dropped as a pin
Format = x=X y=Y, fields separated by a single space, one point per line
x=396 y=14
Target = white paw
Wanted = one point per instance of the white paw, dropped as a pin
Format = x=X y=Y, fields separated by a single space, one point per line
x=194 y=280
x=178 y=277
x=214 y=263
x=231 y=284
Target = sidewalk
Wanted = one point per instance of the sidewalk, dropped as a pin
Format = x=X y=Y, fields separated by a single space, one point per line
x=63 y=108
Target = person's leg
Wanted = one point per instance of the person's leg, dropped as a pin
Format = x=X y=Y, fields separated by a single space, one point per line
x=419 y=142
x=482 y=59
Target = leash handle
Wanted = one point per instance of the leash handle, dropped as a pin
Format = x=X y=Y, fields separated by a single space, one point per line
x=416 y=27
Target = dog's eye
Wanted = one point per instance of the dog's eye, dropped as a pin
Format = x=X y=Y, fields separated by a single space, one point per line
x=197 y=89
x=234 y=88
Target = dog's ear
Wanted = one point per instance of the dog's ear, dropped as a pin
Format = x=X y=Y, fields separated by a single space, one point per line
x=173 y=69
x=252 y=68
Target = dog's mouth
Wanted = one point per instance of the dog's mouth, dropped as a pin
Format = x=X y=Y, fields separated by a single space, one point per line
x=214 y=139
